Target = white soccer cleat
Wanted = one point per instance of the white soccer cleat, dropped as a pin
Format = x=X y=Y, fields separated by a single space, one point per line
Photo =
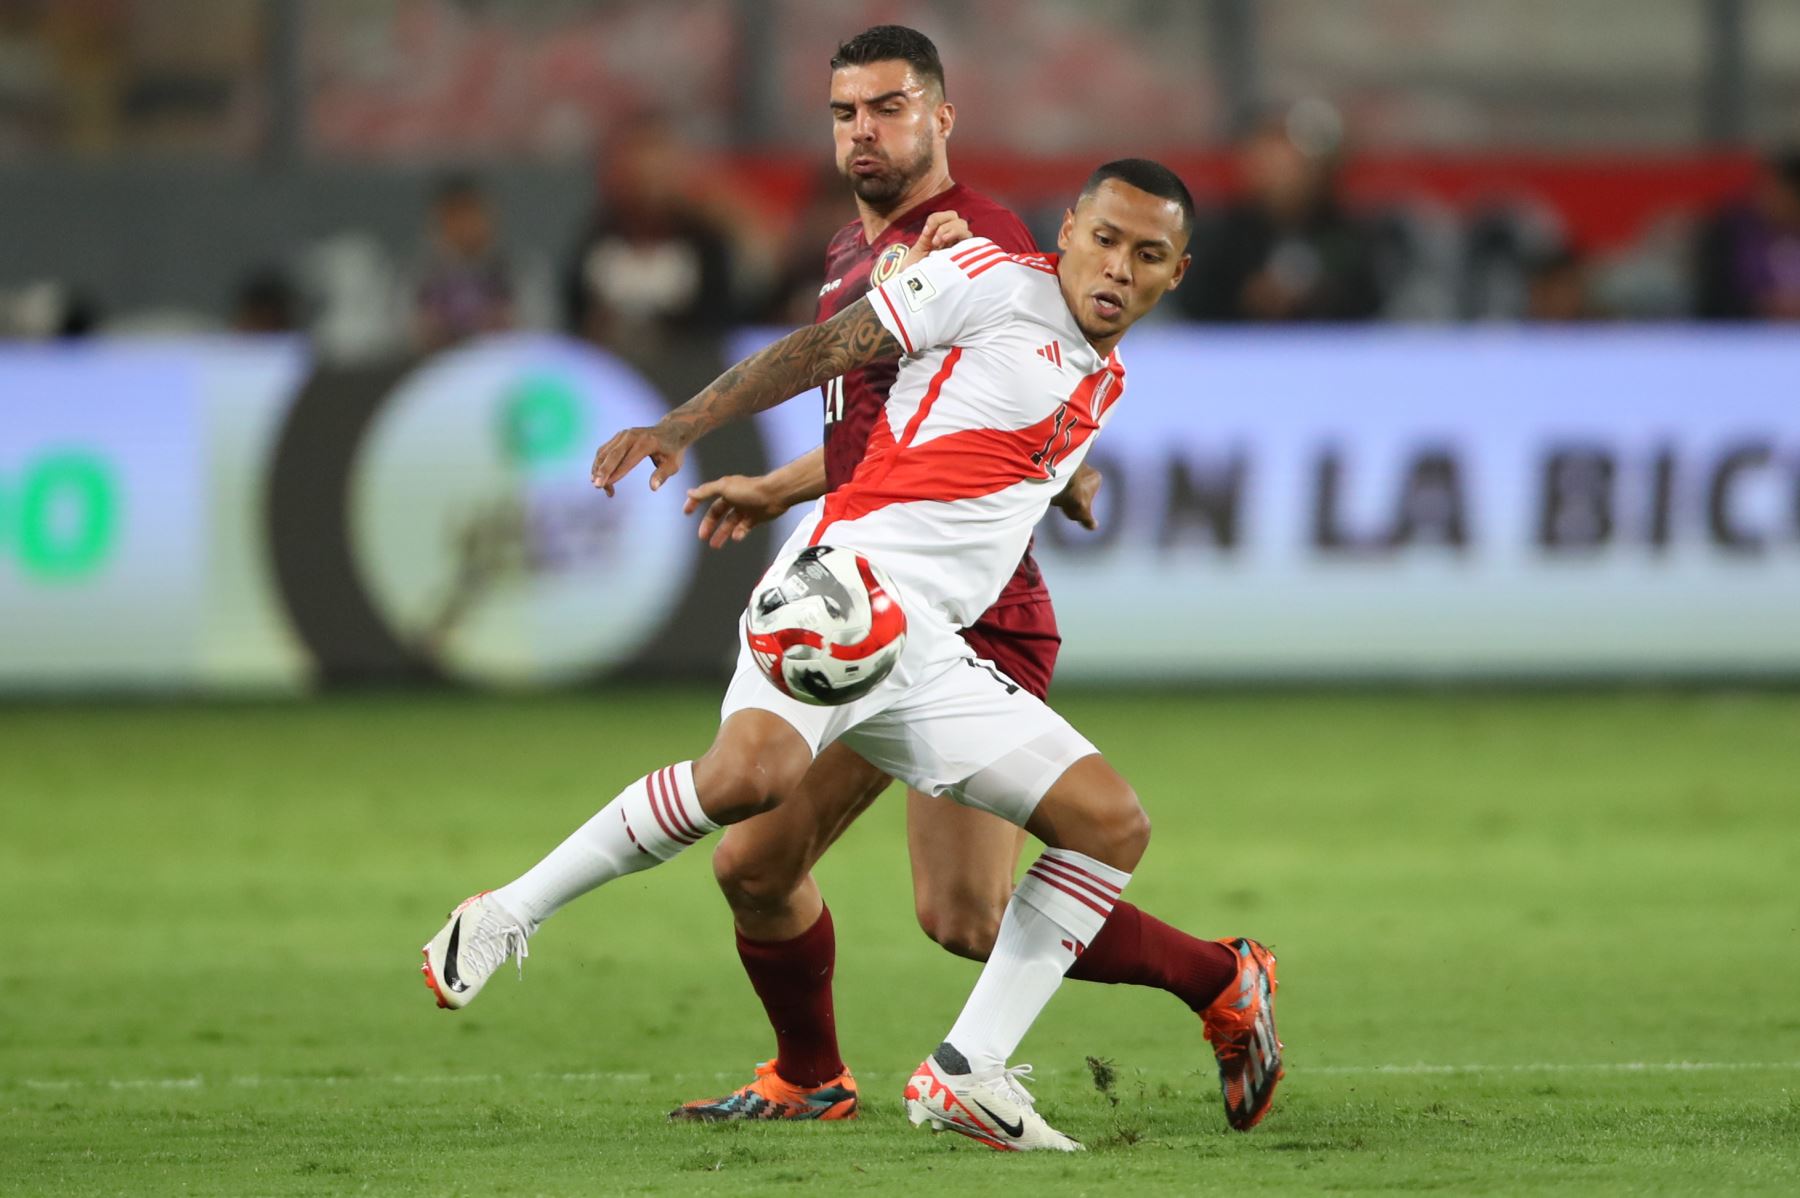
x=480 y=937
x=992 y=1108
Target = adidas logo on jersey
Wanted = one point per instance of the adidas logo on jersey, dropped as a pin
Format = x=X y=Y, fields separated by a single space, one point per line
x=1052 y=354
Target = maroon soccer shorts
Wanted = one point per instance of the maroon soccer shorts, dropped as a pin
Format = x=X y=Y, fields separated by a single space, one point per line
x=1021 y=639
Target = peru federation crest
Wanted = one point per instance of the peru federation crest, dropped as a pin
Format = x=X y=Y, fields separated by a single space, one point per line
x=888 y=265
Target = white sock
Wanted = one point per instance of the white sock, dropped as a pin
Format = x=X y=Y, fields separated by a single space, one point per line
x=650 y=821
x=1058 y=908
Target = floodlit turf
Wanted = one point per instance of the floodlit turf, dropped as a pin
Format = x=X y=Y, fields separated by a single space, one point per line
x=1537 y=942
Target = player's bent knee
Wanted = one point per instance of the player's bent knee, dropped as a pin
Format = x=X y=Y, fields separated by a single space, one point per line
x=965 y=930
x=751 y=878
x=756 y=760
x=1126 y=824
x=751 y=882
x=1134 y=830
x=1093 y=810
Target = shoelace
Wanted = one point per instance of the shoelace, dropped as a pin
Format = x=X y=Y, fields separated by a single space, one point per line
x=491 y=948
x=1013 y=1078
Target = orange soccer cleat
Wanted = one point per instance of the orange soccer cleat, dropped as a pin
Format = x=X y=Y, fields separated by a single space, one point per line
x=772 y=1097
x=1241 y=1025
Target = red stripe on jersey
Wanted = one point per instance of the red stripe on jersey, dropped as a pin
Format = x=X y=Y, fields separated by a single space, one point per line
x=965 y=464
x=974 y=265
x=931 y=395
x=1083 y=899
x=1013 y=259
x=981 y=264
x=900 y=324
x=975 y=249
x=881 y=459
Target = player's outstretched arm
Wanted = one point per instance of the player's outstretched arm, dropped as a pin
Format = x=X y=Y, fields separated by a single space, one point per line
x=737 y=503
x=798 y=362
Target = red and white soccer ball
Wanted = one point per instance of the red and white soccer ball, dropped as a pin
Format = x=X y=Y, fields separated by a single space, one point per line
x=825 y=625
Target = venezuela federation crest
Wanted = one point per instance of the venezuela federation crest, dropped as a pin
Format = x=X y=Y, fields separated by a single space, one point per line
x=888 y=265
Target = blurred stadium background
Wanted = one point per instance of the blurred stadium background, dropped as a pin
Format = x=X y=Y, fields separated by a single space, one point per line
x=1403 y=420
x=313 y=311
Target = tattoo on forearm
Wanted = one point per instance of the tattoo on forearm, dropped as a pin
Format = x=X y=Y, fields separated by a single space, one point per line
x=799 y=361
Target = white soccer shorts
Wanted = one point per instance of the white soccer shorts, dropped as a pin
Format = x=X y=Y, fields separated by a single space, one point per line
x=944 y=722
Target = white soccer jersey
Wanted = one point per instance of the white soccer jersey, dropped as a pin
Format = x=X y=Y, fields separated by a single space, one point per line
x=997 y=402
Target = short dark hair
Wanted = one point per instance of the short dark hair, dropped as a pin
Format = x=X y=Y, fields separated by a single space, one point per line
x=885 y=43
x=1149 y=176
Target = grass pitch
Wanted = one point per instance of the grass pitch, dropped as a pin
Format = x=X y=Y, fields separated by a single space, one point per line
x=1528 y=943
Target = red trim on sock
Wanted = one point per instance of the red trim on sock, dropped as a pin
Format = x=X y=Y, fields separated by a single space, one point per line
x=1081 y=881
x=663 y=809
x=1138 y=949
x=1087 y=875
x=678 y=806
x=633 y=835
x=793 y=980
x=1049 y=879
x=655 y=793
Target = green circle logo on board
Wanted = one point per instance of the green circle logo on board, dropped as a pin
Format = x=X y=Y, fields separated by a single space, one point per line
x=477 y=534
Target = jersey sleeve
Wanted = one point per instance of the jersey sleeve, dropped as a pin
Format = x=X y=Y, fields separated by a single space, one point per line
x=941 y=300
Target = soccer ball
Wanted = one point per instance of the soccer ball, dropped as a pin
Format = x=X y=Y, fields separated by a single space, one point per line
x=824 y=625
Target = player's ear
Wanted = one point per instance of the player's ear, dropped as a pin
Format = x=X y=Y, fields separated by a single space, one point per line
x=1180 y=271
x=1065 y=234
x=946 y=119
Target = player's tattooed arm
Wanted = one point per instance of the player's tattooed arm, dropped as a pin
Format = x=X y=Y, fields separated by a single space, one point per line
x=798 y=362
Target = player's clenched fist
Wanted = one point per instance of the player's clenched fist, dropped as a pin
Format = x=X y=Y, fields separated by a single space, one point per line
x=942 y=230
x=614 y=460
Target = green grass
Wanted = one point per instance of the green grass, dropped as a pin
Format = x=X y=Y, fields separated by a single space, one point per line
x=208 y=973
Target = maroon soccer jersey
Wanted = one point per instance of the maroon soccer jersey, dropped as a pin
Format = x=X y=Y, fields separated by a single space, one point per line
x=853 y=401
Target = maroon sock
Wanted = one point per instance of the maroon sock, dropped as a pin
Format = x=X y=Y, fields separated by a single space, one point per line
x=1138 y=949
x=793 y=979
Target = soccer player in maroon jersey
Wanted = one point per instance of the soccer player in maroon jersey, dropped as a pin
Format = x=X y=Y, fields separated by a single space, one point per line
x=890 y=122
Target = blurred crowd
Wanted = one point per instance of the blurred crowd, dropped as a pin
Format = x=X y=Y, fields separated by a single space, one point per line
x=675 y=248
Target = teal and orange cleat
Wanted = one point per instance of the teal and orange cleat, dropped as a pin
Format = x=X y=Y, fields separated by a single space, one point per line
x=770 y=1096
x=1241 y=1025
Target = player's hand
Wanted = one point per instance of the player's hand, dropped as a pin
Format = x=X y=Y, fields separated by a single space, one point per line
x=614 y=460
x=942 y=230
x=736 y=504
x=1077 y=499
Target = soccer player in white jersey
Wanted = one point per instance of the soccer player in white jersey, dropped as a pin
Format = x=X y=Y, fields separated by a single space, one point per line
x=1010 y=370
